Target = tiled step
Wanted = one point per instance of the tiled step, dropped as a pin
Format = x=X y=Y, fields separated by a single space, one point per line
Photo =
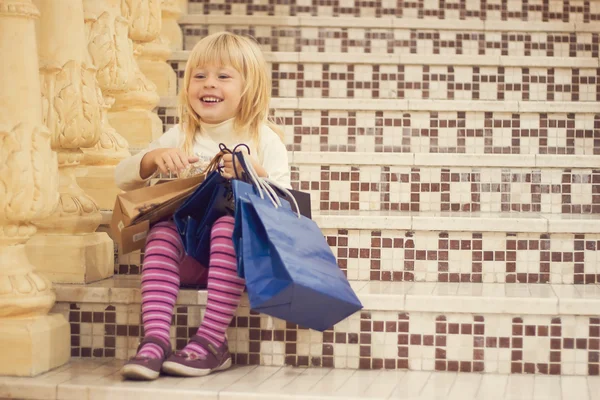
x=453 y=247
x=447 y=182
x=385 y=35
x=492 y=328
x=523 y=12
x=100 y=379
x=432 y=126
x=351 y=76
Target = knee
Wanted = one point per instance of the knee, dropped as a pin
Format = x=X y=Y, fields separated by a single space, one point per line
x=227 y=219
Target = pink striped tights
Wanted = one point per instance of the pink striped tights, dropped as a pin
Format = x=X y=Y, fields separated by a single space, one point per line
x=160 y=285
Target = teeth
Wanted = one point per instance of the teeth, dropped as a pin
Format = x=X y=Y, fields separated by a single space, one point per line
x=211 y=99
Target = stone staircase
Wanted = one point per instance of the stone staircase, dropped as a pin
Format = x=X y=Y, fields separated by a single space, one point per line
x=451 y=152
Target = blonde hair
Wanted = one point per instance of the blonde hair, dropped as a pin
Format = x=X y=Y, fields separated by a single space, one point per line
x=244 y=55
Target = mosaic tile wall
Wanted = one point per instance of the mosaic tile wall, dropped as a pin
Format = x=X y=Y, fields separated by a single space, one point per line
x=446 y=82
x=400 y=255
x=526 y=190
x=407 y=41
x=491 y=10
x=397 y=255
x=471 y=132
x=567 y=345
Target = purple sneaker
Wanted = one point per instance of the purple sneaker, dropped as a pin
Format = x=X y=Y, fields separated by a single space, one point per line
x=146 y=368
x=182 y=364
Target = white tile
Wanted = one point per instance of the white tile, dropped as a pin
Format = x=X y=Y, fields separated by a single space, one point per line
x=594 y=387
x=492 y=387
x=277 y=382
x=250 y=381
x=575 y=387
x=438 y=386
x=519 y=387
x=547 y=388
x=305 y=382
x=334 y=380
x=411 y=385
x=465 y=387
x=357 y=384
x=384 y=384
x=217 y=382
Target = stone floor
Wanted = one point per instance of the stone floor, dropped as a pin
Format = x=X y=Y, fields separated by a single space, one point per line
x=89 y=379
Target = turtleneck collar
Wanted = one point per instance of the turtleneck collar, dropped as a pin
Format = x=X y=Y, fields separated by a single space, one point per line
x=221 y=132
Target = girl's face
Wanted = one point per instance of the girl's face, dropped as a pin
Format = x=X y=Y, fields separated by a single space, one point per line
x=215 y=93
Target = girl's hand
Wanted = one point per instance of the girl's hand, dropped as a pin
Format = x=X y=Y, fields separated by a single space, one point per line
x=171 y=160
x=229 y=170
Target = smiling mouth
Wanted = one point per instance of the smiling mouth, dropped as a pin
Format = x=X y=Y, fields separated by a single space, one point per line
x=210 y=99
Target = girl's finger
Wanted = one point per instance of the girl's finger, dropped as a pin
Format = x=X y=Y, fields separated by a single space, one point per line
x=161 y=167
x=183 y=159
x=169 y=163
x=226 y=175
x=177 y=162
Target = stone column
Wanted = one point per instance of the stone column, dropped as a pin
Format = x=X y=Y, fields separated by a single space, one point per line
x=67 y=247
x=183 y=6
x=171 y=31
x=111 y=52
x=153 y=56
x=132 y=113
x=31 y=340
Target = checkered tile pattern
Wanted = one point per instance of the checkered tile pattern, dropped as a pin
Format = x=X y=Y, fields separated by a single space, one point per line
x=583 y=11
x=525 y=190
x=406 y=41
x=462 y=132
x=567 y=345
x=446 y=82
x=490 y=257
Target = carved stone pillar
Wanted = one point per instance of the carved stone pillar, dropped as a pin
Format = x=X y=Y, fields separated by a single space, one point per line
x=31 y=340
x=171 y=31
x=111 y=52
x=132 y=115
x=153 y=56
x=67 y=247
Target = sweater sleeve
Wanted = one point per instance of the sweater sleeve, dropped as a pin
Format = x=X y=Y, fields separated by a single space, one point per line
x=127 y=173
x=274 y=157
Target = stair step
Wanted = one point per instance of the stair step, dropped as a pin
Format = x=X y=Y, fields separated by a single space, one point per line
x=491 y=328
x=96 y=379
x=507 y=106
x=426 y=126
x=334 y=58
x=446 y=78
x=192 y=20
x=498 y=11
x=436 y=297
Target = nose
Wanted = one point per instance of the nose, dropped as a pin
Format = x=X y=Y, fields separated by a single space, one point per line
x=210 y=82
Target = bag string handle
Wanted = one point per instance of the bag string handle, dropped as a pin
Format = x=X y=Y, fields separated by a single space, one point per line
x=261 y=184
x=268 y=185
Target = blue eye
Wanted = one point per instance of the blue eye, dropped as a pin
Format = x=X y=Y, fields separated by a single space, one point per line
x=223 y=76
x=199 y=76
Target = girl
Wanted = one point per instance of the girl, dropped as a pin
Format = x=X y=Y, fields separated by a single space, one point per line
x=224 y=99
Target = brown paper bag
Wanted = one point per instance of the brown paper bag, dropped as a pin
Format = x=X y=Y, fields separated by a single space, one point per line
x=136 y=210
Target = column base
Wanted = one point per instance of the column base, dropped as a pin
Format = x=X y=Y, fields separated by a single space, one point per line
x=138 y=126
x=98 y=182
x=82 y=258
x=31 y=346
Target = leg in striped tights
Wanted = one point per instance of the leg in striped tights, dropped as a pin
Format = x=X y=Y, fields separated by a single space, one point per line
x=224 y=287
x=160 y=284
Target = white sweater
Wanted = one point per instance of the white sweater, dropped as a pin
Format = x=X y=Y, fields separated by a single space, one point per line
x=271 y=152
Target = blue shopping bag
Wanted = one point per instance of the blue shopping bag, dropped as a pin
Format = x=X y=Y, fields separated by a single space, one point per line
x=194 y=219
x=289 y=268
